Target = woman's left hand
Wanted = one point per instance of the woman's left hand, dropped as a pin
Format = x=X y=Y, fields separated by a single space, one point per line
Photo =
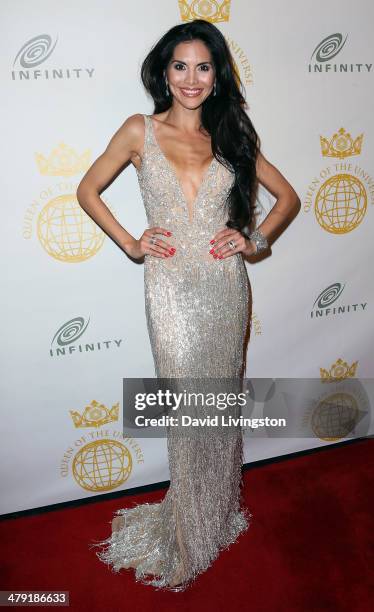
x=220 y=249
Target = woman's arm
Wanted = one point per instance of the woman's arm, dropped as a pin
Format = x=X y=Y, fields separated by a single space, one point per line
x=124 y=145
x=282 y=213
x=285 y=208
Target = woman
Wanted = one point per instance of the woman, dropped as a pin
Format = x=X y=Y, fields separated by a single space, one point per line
x=198 y=161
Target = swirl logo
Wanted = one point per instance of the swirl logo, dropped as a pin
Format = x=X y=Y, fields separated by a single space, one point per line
x=329 y=47
x=35 y=51
x=329 y=295
x=70 y=331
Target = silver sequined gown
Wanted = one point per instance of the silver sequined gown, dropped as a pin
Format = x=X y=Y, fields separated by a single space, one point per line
x=197 y=310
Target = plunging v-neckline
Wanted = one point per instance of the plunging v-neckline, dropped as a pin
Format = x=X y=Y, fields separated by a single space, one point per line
x=190 y=209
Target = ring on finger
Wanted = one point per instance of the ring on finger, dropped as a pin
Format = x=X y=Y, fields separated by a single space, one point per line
x=231 y=244
x=153 y=239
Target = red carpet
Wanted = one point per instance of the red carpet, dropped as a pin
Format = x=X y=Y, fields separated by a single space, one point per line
x=309 y=548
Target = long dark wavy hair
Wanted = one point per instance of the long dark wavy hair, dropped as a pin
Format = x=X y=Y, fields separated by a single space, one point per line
x=233 y=136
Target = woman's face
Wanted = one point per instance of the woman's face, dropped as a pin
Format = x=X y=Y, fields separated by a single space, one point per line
x=190 y=73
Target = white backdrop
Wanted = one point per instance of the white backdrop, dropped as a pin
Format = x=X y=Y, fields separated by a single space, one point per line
x=73 y=307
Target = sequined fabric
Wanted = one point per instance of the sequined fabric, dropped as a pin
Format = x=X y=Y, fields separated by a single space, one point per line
x=197 y=310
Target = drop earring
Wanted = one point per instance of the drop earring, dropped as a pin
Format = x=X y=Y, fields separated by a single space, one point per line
x=166 y=87
x=214 y=89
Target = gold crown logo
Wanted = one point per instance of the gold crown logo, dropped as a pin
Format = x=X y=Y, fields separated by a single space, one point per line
x=63 y=161
x=340 y=370
x=341 y=145
x=210 y=10
x=95 y=415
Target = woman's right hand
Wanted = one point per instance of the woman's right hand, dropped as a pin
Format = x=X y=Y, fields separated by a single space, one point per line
x=143 y=246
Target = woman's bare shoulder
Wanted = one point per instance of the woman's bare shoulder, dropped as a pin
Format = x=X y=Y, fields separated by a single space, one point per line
x=133 y=126
x=130 y=135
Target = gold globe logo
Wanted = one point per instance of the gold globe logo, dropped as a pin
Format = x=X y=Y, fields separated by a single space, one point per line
x=102 y=465
x=66 y=232
x=335 y=417
x=340 y=204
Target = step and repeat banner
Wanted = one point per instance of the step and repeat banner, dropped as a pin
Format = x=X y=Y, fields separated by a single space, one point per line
x=73 y=303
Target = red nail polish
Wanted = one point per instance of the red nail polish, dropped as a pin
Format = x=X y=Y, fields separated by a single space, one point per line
x=168 y=233
x=215 y=256
x=211 y=251
x=220 y=256
x=212 y=242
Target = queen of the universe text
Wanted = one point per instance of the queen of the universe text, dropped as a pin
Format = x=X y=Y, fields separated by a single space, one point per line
x=219 y=420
